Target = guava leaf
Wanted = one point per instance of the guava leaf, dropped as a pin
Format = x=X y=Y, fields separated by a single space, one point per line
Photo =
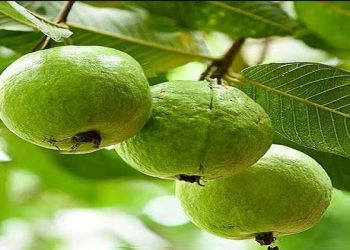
x=28 y=156
x=19 y=41
x=309 y=103
x=235 y=18
x=101 y=165
x=51 y=168
x=7 y=56
x=328 y=19
x=17 y=18
x=131 y=31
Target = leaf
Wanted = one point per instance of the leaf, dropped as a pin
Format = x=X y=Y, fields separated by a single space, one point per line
x=101 y=165
x=16 y=17
x=314 y=41
x=6 y=57
x=132 y=31
x=235 y=18
x=4 y=197
x=35 y=159
x=328 y=19
x=19 y=41
x=337 y=167
x=309 y=103
x=47 y=165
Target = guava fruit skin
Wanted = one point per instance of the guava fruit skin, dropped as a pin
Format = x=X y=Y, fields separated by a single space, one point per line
x=60 y=92
x=285 y=192
x=198 y=129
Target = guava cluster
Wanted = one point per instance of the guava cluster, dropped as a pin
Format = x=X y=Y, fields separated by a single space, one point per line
x=212 y=138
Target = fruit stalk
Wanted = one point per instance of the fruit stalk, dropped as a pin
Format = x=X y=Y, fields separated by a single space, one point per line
x=62 y=16
x=218 y=68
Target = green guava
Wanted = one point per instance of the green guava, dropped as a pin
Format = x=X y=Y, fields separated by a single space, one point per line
x=75 y=98
x=198 y=130
x=285 y=192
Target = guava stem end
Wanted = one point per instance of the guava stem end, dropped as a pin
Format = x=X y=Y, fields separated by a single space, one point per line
x=191 y=179
x=266 y=238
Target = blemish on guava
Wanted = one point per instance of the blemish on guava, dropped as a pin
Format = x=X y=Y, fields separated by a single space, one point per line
x=52 y=141
x=191 y=179
x=92 y=136
x=261 y=120
x=78 y=139
x=211 y=97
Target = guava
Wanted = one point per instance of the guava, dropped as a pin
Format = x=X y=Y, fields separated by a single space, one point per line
x=285 y=192
x=198 y=129
x=75 y=98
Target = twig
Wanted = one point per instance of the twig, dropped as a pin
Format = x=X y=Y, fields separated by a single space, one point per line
x=265 y=48
x=45 y=42
x=217 y=69
x=63 y=14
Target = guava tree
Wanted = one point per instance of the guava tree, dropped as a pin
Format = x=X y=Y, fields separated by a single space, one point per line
x=307 y=102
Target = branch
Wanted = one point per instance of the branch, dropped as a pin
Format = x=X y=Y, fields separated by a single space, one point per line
x=265 y=48
x=62 y=16
x=218 y=68
x=45 y=42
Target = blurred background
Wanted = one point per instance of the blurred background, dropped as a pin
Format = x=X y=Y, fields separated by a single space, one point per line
x=96 y=201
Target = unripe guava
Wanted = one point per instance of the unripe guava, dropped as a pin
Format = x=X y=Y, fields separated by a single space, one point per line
x=285 y=192
x=75 y=98
x=198 y=129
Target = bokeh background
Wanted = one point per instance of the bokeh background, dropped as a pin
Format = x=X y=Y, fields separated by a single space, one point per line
x=96 y=201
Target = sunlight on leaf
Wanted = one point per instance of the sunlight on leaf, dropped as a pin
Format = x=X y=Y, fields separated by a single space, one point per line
x=330 y=20
x=235 y=18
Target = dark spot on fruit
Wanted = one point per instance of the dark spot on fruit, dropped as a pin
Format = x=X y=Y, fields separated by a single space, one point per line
x=86 y=137
x=91 y=136
x=52 y=141
x=190 y=178
x=260 y=120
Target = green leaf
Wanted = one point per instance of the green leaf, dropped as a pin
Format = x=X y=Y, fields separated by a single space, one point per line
x=28 y=156
x=328 y=19
x=16 y=17
x=7 y=56
x=4 y=199
x=101 y=165
x=235 y=18
x=309 y=103
x=19 y=41
x=131 y=194
x=132 y=31
x=51 y=168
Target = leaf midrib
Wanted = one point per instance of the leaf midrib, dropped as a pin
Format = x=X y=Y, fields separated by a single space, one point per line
x=305 y=101
x=142 y=42
x=251 y=15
